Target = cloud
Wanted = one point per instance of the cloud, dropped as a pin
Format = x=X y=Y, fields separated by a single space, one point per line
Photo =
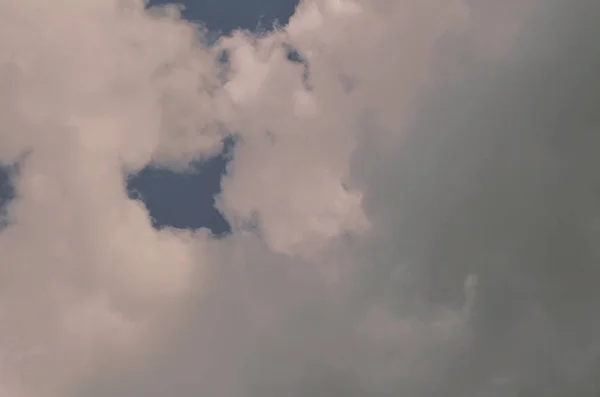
x=412 y=209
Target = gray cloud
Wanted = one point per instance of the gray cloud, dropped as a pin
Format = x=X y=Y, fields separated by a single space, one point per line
x=430 y=232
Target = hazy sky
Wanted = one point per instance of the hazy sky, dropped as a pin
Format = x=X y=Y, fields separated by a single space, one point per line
x=411 y=210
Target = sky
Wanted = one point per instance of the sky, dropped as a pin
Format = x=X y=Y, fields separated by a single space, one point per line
x=366 y=198
x=227 y=15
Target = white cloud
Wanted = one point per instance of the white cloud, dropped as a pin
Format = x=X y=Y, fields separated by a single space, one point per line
x=407 y=240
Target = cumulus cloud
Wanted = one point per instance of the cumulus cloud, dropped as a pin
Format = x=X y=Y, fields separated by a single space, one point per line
x=413 y=206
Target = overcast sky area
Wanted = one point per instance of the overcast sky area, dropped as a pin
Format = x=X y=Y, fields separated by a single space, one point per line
x=335 y=198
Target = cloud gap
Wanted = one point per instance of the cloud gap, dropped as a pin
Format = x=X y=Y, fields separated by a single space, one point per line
x=184 y=199
x=225 y=16
x=7 y=190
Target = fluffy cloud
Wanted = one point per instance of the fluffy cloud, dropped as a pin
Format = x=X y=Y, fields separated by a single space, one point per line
x=420 y=190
